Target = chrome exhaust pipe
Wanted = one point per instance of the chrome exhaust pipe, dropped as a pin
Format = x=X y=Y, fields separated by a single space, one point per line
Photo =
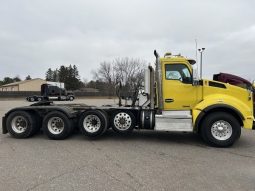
x=158 y=76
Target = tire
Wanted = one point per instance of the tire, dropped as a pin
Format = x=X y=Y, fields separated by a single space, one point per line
x=220 y=129
x=107 y=119
x=31 y=99
x=57 y=126
x=38 y=126
x=21 y=124
x=71 y=98
x=39 y=99
x=93 y=123
x=123 y=122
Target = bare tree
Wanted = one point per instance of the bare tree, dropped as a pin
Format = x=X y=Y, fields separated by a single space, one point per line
x=130 y=73
x=105 y=73
x=127 y=70
x=126 y=73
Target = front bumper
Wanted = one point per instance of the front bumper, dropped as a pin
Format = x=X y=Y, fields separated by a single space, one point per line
x=4 y=129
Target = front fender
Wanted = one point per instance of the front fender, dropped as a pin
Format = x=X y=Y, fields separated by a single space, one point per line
x=224 y=102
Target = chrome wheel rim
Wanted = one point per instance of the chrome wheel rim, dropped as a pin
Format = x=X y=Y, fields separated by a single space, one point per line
x=19 y=124
x=122 y=121
x=221 y=130
x=56 y=125
x=32 y=99
x=91 y=123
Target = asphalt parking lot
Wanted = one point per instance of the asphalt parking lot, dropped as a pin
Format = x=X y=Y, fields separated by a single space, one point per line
x=144 y=160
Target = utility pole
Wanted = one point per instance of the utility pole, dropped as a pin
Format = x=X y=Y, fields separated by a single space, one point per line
x=201 y=50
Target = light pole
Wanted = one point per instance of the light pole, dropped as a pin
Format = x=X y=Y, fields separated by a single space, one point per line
x=201 y=50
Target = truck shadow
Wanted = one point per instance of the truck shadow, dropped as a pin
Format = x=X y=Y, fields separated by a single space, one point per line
x=137 y=136
x=159 y=137
x=180 y=138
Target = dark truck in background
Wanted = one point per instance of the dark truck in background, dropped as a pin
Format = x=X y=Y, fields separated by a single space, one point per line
x=235 y=80
x=51 y=92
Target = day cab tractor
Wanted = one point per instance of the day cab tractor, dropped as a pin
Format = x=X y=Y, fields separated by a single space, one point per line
x=172 y=100
x=52 y=92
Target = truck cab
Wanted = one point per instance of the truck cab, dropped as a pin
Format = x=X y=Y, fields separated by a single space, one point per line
x=179 y=93
x=52 y=92
x=215 y=110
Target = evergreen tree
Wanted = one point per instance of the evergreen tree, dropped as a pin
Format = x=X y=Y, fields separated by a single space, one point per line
x=55 y=76
x=16 y=79
x=75 y=72
x=68 y=75
x=28 y=77
x=63 y=74
x=7 y=80
x=49 y=75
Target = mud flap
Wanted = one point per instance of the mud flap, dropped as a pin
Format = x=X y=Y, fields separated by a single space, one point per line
x=4 y=129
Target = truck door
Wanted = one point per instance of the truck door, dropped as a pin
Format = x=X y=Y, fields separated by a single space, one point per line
x=178 y=91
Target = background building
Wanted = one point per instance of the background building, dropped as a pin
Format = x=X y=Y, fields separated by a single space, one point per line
x=26 y=85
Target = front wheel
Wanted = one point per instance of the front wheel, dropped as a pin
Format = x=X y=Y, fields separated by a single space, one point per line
x=220 y=129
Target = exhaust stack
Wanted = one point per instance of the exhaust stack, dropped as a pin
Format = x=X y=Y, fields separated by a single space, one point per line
x=158 y=76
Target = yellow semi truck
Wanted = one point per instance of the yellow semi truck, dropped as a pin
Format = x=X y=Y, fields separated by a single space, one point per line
x=172 y=100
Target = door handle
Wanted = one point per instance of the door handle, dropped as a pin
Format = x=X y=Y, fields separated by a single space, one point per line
x=169 y=100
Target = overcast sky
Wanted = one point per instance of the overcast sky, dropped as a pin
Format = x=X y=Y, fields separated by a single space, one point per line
x=39 y=34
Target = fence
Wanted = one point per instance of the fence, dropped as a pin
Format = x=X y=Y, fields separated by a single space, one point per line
x=21 y=94
x=17 y=94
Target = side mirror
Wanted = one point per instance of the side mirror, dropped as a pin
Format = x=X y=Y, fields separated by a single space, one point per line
x=195 y=82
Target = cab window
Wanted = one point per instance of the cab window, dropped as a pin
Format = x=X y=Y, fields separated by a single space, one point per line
x=178 y=72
